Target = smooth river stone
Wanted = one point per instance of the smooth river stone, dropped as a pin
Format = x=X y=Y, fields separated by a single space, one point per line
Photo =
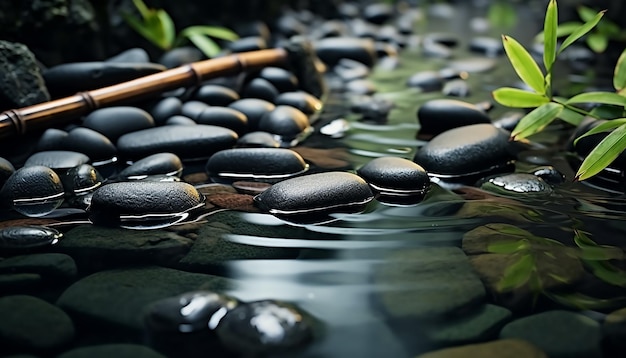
x=224 y=117
x=51 y=139
x=215 y=95
x=315 y=193
x=33 y=191
x=180 y=121
x=23 y=238
x=250 y=43
x=188 y=142
x=166 y=108
x=260 y=88
x=258 y=139
x=427 y=81
x=439 y=115
x=91 y=143
x=114 y=122
x=258 y=164
x=156 y=164
x=331 y=50
x=395 y=176
x=509 y=348
x=303 y=101
x=283 y=80
x=113 y=202
x=6 y=170
x=466 y=150
x=254 y=109
x=136 y=54
x=488 y=46
x=521 y=184
x=81 y=180
x=57 y=159
x=192 y=109
x=285 y=121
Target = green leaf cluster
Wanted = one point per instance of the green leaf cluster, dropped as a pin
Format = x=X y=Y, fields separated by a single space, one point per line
x=157 y=26
x=547 y=107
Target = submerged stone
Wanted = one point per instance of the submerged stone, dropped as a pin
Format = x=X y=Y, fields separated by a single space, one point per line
x=57 y=159
x=518 y=184
x=315 y=193
x=465 y=151
x=189 y=312
x=187 y=142
x=439 y=115
x=33 y=191
x=394 y=176
x=259 y=164
x=264 y=327
x=24 y=238
x=114 y=122
x=156 y=164
x=144 y=203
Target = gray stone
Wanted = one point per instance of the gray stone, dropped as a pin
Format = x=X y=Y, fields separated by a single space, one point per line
x=456 y=88
x=561 y=334
x=180 y=121
x=31 y=190
x=50 y=266
x=258 y=139
x=378 y=13
x=116 y=121
x=51 y=139
x=118 y=350
x=395 y=176
x=193 y=109
x=428 y=283
x=181 y=56
x=120 y=297
x=215 y=95
x=439 y=115
x=33 y=325
x=57 y=159
x=91 y=143
x=333 y=49
x=224 y=117
x=427 y=81
x=166 y=108
x=257 y=164
x=187 y=142
x=21 y=83
x=504 y=348
x=488 y=46
x=521 y=185
x=160 y=163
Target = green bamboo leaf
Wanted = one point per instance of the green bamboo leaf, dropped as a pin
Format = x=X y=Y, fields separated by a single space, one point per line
x=213 y=31
x=607 y=272
x=581 y=31
x=523 y=64
x=142 y=8
x=598 y=97
x=586 y=13
x=507 y=247
x=597 y=42
x=591 y=251
x=167 y=29
x=572 y=117
x=584 y=302
x=549 y=37
x=208 y=47
x=619 y=76
x=143 y=30
x=604 y=127
x=517 y=274
x=517 y=98
x=536 y=120
x=603 y=154
x=563 y=29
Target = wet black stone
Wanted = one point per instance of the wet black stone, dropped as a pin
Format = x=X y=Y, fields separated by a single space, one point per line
x=32 y=184
x=215 y=95
x=180 y=121
x=378 y=13
x=189 y=312
x=349 y=70
x=390 y=34
x=285 y=121
x=509 y=120
x=438 y=115
x=333 y=49
x=315 y=192
x=330 y=28
x=224 y=117
x=362 y=29
x=260 y=88
x=21 y=83
x=69 y=78
x=258 y=140
x=91 y=143
x=160 y=163
x=51 y=139
x=81 y=180
x=258 y=164
x=245 y=44
x=395 y=176
x=436 y=50
x=136 y=54
x=264 y=327
x=254 y=109
x=465 y=150
x=27 y=237
x=114 y=122
x=187 y=142
x=166 y=108
x=442 y=38
x=473 y=64
x=193 y=109
x=488 y=46
x=427 y=81
x=57 y=159
x=283 y=80
x=303 y=101
x=180 y=56
x=549 y=174
x=111 y=202
x=516 y=184
x=585 y=145
x=456 y=88
x=372 y=108
x=6 y=170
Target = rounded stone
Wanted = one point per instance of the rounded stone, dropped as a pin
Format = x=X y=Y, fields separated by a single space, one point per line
x=259 y=164
x=362 y=86
x=378 y=13
x=28 y=237
x=283 y=80
x=516 y=184
x=315 y=193
x=6 y=170
x=303 y=101
x=224 y=117
x=91 y=143
x=427 y=81
x=456 y=88
x=166 y=108
x=193 y=109
x=33 y=191
x=245 y=44
x=488 y=46
x=57 y=159
x=180 y=121
x=187 y=142
x=136 y=54
x=180 y=56
x=215 y=95
x=81 y=180
x=349 y=70
x=439 y=115
x=254 y=109
x=189 y=312
x=51 y=139
x=285 y=121
x=260 y=88
x=395 y=176
x=258 y=140
x=32 y=324
x=264 y=327
x=156 y=164
x=331 y=50
x=127 y=202
x=114 y=122
x=464 y=151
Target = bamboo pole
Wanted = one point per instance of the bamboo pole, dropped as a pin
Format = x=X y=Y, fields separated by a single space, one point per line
x=40 y=116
